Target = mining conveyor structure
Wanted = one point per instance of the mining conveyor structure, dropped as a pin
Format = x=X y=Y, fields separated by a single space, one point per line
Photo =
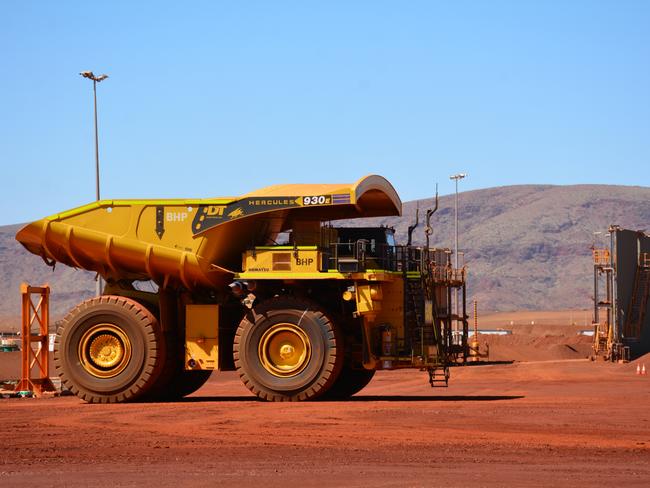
x=263 y=284
x=621 y=295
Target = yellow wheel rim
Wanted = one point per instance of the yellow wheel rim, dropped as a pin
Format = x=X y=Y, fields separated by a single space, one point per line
x=284 y=350
x=104 y=350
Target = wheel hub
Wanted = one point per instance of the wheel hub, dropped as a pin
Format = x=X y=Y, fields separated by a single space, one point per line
x=104 y=350
x=284 y=350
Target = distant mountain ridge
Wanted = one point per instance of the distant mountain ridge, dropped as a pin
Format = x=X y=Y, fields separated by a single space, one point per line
x=527 y=247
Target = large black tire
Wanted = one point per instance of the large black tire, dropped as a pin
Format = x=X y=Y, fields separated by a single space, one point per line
x=288 y=350
x=109 y=349
x=349 y=382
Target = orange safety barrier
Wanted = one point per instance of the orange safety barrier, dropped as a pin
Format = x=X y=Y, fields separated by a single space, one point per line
x=35 y=370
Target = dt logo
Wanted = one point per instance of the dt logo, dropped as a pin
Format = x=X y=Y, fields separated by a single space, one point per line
x=215 y=210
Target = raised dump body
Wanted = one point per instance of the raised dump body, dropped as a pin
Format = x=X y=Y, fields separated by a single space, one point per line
x=262 y=283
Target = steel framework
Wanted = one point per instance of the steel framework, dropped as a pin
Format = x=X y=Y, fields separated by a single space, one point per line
x=35 y=371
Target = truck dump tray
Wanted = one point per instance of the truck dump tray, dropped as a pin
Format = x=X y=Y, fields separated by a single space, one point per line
x=194 y=243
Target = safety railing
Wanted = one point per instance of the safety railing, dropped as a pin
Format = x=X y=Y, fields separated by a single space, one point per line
x=361 y=256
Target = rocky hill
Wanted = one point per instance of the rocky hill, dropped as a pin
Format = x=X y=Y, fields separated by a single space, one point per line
x=527 y=247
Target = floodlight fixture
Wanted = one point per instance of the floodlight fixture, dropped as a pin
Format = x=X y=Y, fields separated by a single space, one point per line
x=91 y=76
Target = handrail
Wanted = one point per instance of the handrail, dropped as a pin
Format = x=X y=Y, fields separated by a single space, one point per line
x=402 y=258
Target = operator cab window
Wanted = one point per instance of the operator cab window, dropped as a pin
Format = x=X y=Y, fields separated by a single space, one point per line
x=375 y=246
x=390 y=238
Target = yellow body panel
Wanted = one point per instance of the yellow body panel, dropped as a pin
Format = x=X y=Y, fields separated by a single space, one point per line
x=282 y=259
x=201 y=337
x=368 y=298
x=381 y=304
x=321 y=275
x=392 y=305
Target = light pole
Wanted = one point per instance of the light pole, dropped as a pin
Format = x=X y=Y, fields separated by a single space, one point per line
x=456 y=177
x=96 y=79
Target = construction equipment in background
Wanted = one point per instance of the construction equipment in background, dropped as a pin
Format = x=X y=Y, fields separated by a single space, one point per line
x=9 y=343
x=602 y=322
x=262 y=284
x=475 y=353
x=621 y=290
x=35 y=370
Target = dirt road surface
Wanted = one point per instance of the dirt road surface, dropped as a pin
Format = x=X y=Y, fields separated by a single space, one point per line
x=547 y=423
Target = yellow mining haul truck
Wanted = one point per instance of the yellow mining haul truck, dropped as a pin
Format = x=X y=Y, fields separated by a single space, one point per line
x=262 y=284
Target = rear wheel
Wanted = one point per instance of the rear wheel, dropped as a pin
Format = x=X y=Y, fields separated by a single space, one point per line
x=288 y=350
x=109 y=349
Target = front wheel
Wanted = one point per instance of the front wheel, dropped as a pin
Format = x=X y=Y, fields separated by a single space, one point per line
x=288 y=349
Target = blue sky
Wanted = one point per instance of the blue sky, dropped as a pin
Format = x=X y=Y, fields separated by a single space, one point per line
x=219 y=98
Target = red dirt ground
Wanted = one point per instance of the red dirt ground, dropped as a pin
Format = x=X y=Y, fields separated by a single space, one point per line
x=545 y=423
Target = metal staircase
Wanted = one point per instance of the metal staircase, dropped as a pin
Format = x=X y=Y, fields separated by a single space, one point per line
x=439 y=377
x=415 y=303
x=425 y=339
